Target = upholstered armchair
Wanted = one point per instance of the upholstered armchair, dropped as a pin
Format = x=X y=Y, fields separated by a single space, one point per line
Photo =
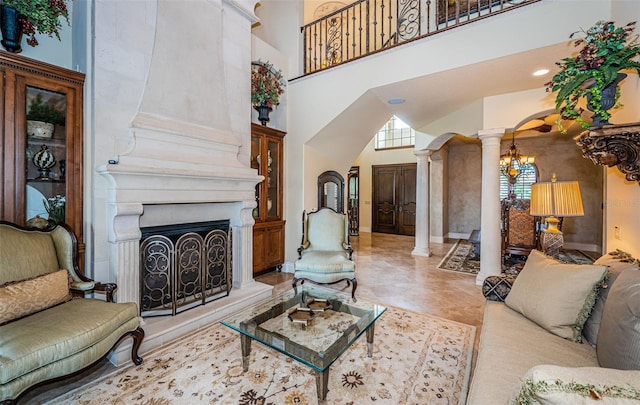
x=325 y=255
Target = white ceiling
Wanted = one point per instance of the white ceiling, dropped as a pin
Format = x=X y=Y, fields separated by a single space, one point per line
x=431 y=97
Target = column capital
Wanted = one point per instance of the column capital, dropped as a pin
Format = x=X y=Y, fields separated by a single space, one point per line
x=423 y=152
x=497 y=133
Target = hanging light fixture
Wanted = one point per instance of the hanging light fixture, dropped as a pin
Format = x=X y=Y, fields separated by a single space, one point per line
x=511 y=162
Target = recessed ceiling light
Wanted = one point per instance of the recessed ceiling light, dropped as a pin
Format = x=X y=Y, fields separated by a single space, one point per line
x=397 y=100
x=541 y=72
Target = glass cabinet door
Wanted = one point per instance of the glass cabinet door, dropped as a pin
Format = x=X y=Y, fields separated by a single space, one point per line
x=46 y=155
x=256 y=159
x=273 y=180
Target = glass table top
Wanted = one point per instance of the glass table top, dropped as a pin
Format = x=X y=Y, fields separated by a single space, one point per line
x=315 y=337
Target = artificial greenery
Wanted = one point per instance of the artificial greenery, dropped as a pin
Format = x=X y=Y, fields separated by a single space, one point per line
x=267 y=84
x=55 y=208
x=42 y=16
x=606 y=51
x=40 y=111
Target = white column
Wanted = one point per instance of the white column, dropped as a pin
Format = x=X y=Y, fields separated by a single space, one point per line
x=422 y=204
x=490 y=244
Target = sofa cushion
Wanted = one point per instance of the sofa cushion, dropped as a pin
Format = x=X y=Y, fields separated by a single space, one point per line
x=33 y=254
x=496 y=288
x=26 y=297
x=511 y=344
x=557 y=296
x=616 y=261
x=547 y=384
x=60 y=332
x=619 y=335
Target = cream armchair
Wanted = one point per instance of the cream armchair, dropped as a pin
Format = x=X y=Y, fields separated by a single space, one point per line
x=325 y=255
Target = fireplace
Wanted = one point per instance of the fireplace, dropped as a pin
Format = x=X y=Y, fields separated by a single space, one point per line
x=184 y=266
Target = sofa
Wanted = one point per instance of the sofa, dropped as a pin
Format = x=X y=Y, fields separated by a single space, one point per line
x=48 y=330
x=561 y=333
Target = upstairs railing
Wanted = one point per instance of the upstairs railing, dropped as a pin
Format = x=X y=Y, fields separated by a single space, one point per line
x=370 y=26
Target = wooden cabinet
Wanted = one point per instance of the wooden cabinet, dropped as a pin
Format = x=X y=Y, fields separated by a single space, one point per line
x=36 y=164
x=268 y=231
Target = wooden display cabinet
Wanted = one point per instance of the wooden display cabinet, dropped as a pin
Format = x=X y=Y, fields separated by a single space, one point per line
x=26 y=187
x=268 y=231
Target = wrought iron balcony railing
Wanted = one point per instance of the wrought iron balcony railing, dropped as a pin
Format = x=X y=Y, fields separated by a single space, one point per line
x=369 y=26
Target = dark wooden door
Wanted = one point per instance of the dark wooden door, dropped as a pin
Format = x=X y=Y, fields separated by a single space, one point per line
x=394 y=199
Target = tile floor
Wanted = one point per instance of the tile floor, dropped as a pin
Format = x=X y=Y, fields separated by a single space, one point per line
x=386 y=272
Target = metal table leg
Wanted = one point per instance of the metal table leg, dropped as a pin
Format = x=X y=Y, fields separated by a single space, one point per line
x=322 y=385
x=370 y=333
x=245 y=342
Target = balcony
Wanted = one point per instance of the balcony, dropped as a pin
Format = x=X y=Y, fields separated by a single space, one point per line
x=370 y=26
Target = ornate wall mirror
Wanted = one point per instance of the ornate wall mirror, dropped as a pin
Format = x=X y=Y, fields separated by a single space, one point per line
x=331 y=191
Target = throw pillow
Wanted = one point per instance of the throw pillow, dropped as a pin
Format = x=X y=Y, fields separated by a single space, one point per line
x=557 y=296
x=496 y=288
x=617 y=262
x=26 y=297
x=547 y=384
x=619 y=335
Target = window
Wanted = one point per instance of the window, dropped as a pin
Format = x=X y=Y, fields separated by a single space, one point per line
x=395 y=134
x=522 y=186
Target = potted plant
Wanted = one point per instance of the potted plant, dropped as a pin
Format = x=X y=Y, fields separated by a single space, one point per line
x=594 y=73
x=55 y=208
x=267 y=85
x=41 y=117
x=41 y=16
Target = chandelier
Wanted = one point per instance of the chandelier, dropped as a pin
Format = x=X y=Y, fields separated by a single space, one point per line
x=512 y=162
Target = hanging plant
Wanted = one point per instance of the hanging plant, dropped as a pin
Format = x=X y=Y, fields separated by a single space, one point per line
x=41 y=16
x=267 y=84
x=606 y=52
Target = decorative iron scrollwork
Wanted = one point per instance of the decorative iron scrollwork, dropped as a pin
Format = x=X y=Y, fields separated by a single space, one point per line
x=614 y=145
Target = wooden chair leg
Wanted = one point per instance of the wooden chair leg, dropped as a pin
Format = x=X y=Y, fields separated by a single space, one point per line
x=353 y=291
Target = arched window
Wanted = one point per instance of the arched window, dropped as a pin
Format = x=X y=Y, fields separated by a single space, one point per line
x=528 y=174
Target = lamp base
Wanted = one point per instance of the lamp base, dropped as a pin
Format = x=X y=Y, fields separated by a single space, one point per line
x=552 y=243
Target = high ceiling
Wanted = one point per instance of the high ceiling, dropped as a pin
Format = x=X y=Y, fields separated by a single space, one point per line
x=431 y=97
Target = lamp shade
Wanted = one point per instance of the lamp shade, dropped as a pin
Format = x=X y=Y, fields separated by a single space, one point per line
x=558 y=199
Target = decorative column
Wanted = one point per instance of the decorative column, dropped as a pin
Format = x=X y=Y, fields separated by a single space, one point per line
x=423 y=205
x=490 y=244
x=124 y=240
x=242 y=226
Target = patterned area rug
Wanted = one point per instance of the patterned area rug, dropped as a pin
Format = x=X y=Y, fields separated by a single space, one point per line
x=417 y=359
x=461 y=259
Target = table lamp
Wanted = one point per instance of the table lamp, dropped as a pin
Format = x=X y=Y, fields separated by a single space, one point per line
x=552 y=200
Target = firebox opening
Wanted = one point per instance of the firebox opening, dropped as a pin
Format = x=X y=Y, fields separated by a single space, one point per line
x=184 y=266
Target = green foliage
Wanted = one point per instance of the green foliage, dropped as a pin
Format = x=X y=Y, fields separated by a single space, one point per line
x=42 y=16
x=40 y=111
x=606 y=51
x=266 y=84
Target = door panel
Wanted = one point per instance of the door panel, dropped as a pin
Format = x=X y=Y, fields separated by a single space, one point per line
x=385 y=199
x=407 y=203
x=394 y=199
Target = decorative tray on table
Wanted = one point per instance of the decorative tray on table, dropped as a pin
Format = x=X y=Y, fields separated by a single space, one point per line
x=318 y=305
x=301 y=315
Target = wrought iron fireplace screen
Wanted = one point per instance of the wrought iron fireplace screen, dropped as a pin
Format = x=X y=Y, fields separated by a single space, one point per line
x=184 y=266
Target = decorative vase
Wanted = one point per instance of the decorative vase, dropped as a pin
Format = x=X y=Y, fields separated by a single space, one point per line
x=607 y=101
x=263 y=113
x=44 y=161
x=40 y=129
x=11 y=28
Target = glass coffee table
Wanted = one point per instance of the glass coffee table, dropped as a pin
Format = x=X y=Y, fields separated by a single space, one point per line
x=311 y=324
